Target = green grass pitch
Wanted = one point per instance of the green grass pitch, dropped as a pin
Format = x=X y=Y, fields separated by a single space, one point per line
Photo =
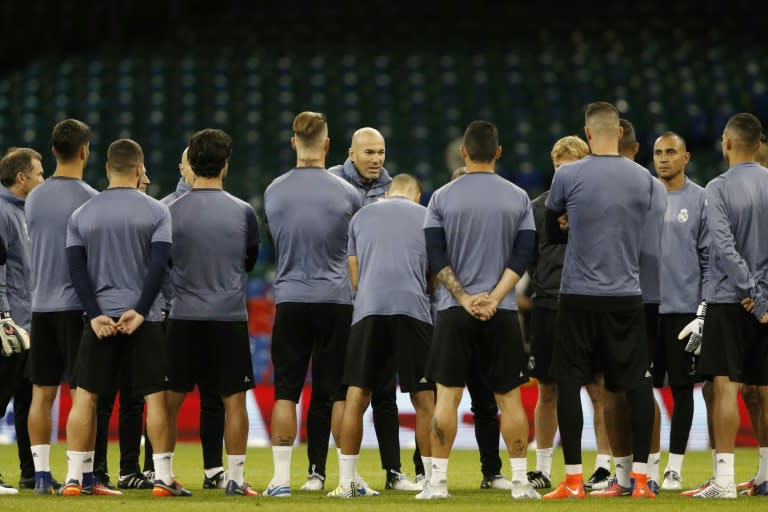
x=463 y=473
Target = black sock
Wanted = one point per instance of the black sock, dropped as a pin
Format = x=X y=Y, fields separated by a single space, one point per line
x=682 y=418
x=571 y=419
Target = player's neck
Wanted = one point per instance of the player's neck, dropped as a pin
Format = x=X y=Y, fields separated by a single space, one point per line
x=736 y=159
x=675 y=183
x=479 y=167
x=217 y=182
x=604 y=147
x=73 y=170
x=310 y=161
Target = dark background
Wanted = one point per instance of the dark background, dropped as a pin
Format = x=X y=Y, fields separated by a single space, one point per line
x=158 y=71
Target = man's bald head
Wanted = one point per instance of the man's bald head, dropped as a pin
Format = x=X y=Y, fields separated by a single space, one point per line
x=367 y=153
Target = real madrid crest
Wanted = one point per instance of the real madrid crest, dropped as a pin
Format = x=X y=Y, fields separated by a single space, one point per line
x=682 y=215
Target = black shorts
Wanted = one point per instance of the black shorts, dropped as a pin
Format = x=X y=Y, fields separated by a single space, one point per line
x=601 y=332
x=381 y=346
x=735 y=345
x=143 y=354
x=673 y=366
x=55 y=341
x=310 y=331
x=212 y=354
x=495 y=346
x=543 y=332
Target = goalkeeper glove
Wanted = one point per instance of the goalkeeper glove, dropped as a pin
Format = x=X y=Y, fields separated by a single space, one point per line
x=695 y=329
x=13 y=338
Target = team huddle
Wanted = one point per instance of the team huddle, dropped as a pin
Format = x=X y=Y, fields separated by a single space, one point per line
x=635 y=281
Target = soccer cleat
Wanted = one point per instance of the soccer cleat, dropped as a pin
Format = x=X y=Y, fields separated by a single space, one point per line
x=758 y=490
x=569 y=489
x=746 y=486
x=164 y=490
x=344 y=491
x=315 y=482
x=698 y=489
x=134 y=481
x=363 y=489
x=239 y=490
x=99 y=489
x=43 y=483
x=217 y=481
x=7 y=489
x=150 y=474
x=672 y=481
x=397 y=481
x=421 y=480
x=599 y=479
x=716 y=491
x=277 y=491
x=437 y=492
x=612 y=490
x=70 y=488
x=102 y=477
x=524 y=491
x=495 y=482
x=642 y=487
x=539 y=480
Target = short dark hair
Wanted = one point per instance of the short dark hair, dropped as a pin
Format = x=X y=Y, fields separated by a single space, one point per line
x=209 y=150
x=745 y=129
x=629 y=137
x=670 y=133
x=600 y=107
x=124 y=155
x=481 y=140
x=68 y=137
x=17 y=160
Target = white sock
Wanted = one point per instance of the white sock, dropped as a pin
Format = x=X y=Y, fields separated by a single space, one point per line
x=427 y=463
x=654 y=459
x=439 y=477
x=641 y=468
x=163 y=467
x=623 y=467
x=519 y=467
x=762 y=469
x=212 y=472
x=675 y=463
x=41 y=456
x=347 y=469
x=603 y=460
x=75 y=461
x=544 y=460
x=724 y=475
x=281 y=455
x=573 y=469
x=236 y=467
x=88 y=462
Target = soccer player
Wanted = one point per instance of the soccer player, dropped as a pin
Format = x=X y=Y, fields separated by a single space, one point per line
x=391 y=324
x=307 y=214
x=477 y=320
x=749 y=393
x=217 y=244
x=600 y=315
x=21 y=171
x=616 y=408
x=683 y=268
x=364 y=170
x=734 y=348
x=57 y=314
x=545 y=273
x=118 y=245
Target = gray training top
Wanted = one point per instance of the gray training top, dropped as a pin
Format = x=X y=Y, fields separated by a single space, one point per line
x=391 y=251
x=607 y=199
x=737 y=216
x=48 y=208
x=650 y=249
x=307 y=211
x=15 y=279
x=211 y=231
x=117 y=228
x=684 y=250
x=481 y=214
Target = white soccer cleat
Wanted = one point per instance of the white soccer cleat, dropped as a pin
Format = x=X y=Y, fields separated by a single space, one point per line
x=717 y=492
x=362 y=488
x=399 y=482
x=314 y=483
x=344 y=491
x=672 y=481
x=434 y=492
x=524 y=491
